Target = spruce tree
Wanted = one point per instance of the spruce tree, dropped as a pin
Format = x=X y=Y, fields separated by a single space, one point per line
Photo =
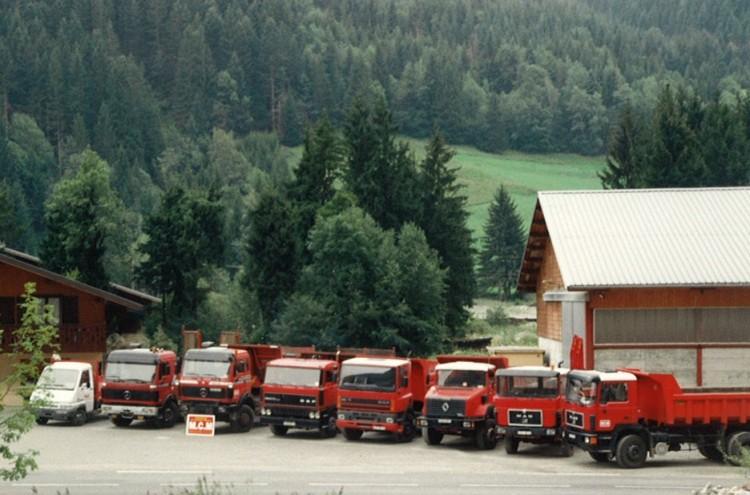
x=725 y=147
x=623 y=167
x=443 y=219
x=502 y=246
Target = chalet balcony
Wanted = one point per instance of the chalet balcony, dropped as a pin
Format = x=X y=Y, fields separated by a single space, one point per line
x=72 y=338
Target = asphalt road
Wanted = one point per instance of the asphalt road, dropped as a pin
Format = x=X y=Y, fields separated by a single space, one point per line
x=99 y=458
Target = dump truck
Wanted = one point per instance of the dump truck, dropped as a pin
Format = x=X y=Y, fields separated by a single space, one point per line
x=139 y=384
x=529 y=402
x=382 y=394
x=68 y=391
x=461 y=402
x=628 y=415
x=300 y=393
x=225 y=381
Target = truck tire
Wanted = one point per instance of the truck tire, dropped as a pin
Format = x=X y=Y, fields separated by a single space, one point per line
x=329 y=430
x=432 y=436
x=243 y=420
x=42 y=421
x=167 y=416
x=602 y=457
x=410 y=429
x=486 y=436
x=711 y=452
x=352 y=434
x=737 y=443
x=566 y=450
x=631 y=452
x=120 y=421
x=79 y=417
x=279 y=430
x=511 y=445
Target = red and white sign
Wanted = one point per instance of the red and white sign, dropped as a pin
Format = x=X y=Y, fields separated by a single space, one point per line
x=200 y=425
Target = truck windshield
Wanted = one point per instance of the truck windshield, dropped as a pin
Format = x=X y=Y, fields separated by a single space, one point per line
x=461 y=378
x=299 y=377
x=213 y=369
x=58 y=379
x=528 y=386
x=130 y=372
x=355 y=376
x=580 y=391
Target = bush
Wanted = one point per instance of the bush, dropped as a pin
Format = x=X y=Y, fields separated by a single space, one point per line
x=496 y=316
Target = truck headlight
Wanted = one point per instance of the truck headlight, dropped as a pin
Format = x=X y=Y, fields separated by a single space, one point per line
x=342 y=416
x=467 y=424
x=389 y=420
x=312 y=414
x=550 y=431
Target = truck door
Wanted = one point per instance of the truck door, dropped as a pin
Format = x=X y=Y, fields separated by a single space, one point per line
x=615 y=405
x=86 y=390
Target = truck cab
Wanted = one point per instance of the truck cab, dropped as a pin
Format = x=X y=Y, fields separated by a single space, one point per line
x=139 y=384
x=67 y=391
x=300 y=393
x=529 y=405
x=377 y=394
x=461 y=403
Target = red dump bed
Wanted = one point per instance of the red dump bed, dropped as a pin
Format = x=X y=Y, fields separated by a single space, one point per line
x=422 y=373
x=260 y=356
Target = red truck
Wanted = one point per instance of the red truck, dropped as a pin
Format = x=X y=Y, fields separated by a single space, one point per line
x=382 y=394
x=300 y=393
x=139 y=384
x=461 y=401
x=529 y=405
x=225 y=381
x=628 y=415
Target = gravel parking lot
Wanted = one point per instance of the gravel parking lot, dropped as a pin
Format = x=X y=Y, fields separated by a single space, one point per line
x=99 y=458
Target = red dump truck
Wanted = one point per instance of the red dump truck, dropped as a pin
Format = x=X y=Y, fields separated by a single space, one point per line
x=139 y=384
x=382 y=394
x=225 y=381
x=529 y=405
x=461 y=401
x=628 y=415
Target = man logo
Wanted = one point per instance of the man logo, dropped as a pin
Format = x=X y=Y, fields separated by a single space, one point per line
x=204 y=392
x=126 y=395
x=445 y=407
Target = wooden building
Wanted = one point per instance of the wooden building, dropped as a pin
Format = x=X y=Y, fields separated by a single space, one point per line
x=650 y=279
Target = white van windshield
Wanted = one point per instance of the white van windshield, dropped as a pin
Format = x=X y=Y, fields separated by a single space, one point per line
x=58 y=379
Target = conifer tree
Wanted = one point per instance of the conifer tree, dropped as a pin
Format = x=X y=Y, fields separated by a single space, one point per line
x=623 y=167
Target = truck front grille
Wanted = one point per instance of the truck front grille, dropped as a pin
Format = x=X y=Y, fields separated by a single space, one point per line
x=522 y=417
x=446 y=407
x=291 y=400
x=126 y=395
x=206 y=392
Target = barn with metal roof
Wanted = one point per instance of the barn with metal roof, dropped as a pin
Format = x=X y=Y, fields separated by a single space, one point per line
x=657 y=279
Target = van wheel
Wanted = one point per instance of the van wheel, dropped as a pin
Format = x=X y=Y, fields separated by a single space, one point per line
x=42 y=421
x=120 y=421
x=486 y=436
x=602 y=457
x=79 y=417
x=352 y=434
x=167 y=416
x=243 y=419
x=432 y=436
x=511 y=445
x=738 y=443
x=711 y=452
x=279 y=430
x=631 y=452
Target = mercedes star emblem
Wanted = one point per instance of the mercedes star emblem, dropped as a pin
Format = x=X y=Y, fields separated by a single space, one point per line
x=126 y=395
x=204 y=392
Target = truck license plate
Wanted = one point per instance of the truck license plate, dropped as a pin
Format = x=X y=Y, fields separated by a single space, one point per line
x=444 y=421
x=379 y=428
x=571 y=436
x=290 y=423
x=523 y=433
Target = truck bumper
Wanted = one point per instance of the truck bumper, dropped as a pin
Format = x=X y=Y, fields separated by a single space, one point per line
x=533 y=434
x=58 y=414
x=590 y=442
x=129 y=411
x=302 y=423
x=221 y=411
x=353 y=420
x=449 y=425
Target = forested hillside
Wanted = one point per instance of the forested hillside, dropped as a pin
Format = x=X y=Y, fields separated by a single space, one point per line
x=188 y=106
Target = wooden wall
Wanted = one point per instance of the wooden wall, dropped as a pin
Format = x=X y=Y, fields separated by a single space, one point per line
x=549 y=314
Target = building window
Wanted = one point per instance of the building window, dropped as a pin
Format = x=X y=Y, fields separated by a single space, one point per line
x=69 y=310
x=7 y=310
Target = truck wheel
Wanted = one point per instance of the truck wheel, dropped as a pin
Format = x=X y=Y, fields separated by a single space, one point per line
x=511 y=445
x=42 y=421
x=279 y=430
x=738 y=443
x=352 y=434
x=566 y=450
x=486 y=437
x=631 y=452
x=711 y=452
x=602 y=457
x=329 y=430
x=120 y=421
x=167 y=416
x=432 y=436
x=79 y=417
x=410 y=430
x=243 y=420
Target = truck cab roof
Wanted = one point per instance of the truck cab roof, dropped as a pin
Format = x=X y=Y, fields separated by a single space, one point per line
x=365 y=361
x=604 y=376
x=320 y=364
x=216 y=353
x=71 y=365
x=465 y=366
x=538 y=371
x=144 y=356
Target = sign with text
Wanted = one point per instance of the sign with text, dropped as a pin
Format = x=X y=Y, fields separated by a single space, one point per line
x=200 y=425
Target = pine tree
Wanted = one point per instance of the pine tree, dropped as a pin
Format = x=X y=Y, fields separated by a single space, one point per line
x=443 y=219
x=623 y=168
x=502 y=246
x=725 y=147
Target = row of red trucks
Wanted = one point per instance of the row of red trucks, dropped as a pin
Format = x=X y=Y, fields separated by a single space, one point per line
x=625 y=415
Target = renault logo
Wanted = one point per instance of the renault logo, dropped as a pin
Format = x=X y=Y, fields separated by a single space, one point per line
x=445 y=407
x=126 y=395
x=204 y=392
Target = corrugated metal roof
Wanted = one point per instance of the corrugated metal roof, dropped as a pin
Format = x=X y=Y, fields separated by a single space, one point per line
x=650 y=237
